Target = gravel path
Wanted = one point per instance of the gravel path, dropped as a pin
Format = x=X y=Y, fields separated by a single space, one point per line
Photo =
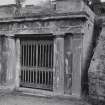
x=32 y=100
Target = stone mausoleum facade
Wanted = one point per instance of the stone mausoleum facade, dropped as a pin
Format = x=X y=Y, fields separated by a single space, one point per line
x=46 y=50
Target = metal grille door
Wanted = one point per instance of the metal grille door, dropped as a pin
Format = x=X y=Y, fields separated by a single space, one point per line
x=37 y=64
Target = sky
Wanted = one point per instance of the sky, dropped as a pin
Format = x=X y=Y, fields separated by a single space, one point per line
x=3 y=2
x=102 y=0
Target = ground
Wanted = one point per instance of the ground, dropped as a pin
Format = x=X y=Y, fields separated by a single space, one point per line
x=17 y=99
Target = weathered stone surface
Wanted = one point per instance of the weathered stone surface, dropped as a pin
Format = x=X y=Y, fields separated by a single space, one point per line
x=68 y=55
x=1 y=43
x=11 y=61
x=41 y=27
x=96 y=72
x=59 y=66
x=75 y=21
x=76 y=65
x=4 y=60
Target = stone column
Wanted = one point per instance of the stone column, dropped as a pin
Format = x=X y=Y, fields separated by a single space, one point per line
x=7 y=61
x=4 y=59
x=18 y=65
x=0 y=59
x=76 y=65
x=58 y=87
x=11 y=61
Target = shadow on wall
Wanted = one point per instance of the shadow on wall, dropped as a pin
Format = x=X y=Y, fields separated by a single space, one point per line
x=96 y=34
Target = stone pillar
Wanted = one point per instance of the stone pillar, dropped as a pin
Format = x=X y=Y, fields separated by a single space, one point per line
x=11 y=61
x=18 y=65
x=76 y=65
x=4 y=60
x=58 y=65
x=0 y=59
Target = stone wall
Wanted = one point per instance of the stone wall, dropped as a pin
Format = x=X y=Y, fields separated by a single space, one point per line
x=87 y=53
x=96 y=72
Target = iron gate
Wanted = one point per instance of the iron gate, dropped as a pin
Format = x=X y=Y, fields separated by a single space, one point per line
x=37 y=64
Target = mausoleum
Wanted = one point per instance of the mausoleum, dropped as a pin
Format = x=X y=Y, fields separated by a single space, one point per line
x=47 y=49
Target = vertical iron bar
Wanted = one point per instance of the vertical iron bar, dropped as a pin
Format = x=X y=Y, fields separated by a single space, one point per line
x=45 y=78
x=23 y=55
x=51 y=56
x=45 y=53
x=28 y=54
x=36 y=62
x=40 y=55
x=42 y=77
x=30 y=75
x=21 y=75
x=31 y=54
x=38 y=76
x=24 y=76
x=33 y=77
x=48 y=77
x=48 y=55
